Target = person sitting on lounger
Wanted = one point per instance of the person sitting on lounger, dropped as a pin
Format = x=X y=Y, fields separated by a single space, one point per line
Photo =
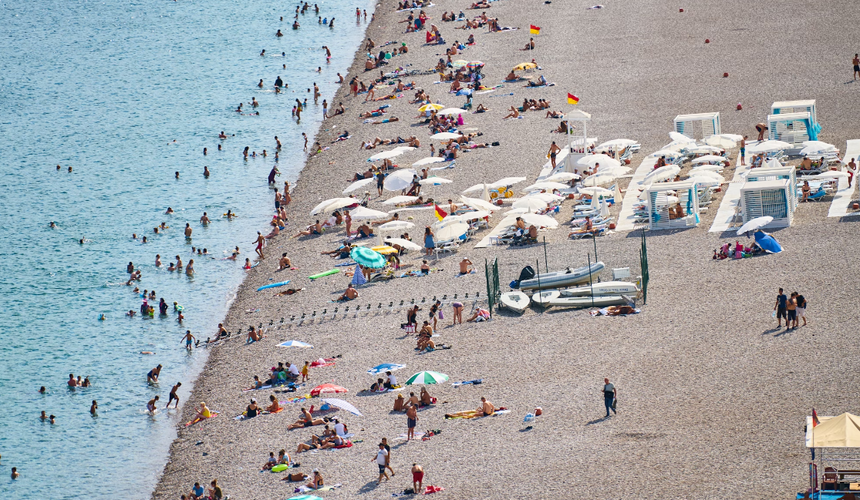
x=312 y=229
x=805 y=190
x=480 y=315
x=275 y=406
x=306 y=421
x=350 y=294
x=806 y=163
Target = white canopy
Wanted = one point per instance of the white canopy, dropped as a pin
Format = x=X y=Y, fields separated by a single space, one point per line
x=403 y=243
x=545 y=185
x=333 y=204
x=768 y=146
x=451 y=111
x=396 y=225
x=444 y=136
x=434 y=181
x=428 y=160
x=708 y=159
x=364 y=213
x=358 y=185
x=399 y=180
x=604 y=160
x=479 y=204
x=399 y=199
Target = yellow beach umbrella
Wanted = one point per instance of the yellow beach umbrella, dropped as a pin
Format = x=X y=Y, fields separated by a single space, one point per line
x=430 y=107
x=524 y=66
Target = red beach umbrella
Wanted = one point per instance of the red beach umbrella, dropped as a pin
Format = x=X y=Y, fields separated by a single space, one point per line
x=327 y=389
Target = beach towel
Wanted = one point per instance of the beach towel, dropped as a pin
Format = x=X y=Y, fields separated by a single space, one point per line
x=305 y=489
x=196 y=420
x=605 y=312
x=257 y=389
x=550 y=84
x=469 y=382
x=432 y=489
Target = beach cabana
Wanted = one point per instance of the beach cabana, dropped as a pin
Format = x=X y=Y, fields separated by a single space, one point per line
x=793 y=128
x=773 y=198
x=835 y=466
x=672 y=205
x=804 y=106
x=777 y=173
x=577 y=130
x=698 y=125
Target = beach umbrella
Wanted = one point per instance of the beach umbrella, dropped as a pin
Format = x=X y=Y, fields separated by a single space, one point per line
x=295 y=343
x=475 y=64
x=616 y=143
x=539 y=220
x=599 y=179
x=679 y=137
x=721 y=141
x=477 y=214
x=341 y=203
x=703 y=149
x=399 y=199
x=562 y=177
x=390 y=154
x=679 y=145
x=830 y=174
x=708 y=159
x=818 y=143
x=661 y=174
x=666 y=152
x=355 y=186
x=603 y=160
x=547 y=197
x=452 y=232
x=343 y=405
x=754 y=224
x=476 y=187
x=399 y=180
x=358 y=278
x=506 y=181
x=430 y=107
x=464 y=92
x=367 y=257
x=767 y=242
x=327 y=389
x=707 y=168
x=428 y=160
x=323 y=207
x=364 y=213
x=707 y=174
x=530 y=204
x=705 y=181
x=427 y=378
x=434 y=181
x=459 y=63
x=768 y=147
x=479 y=204
x=396 y=225
x=817 y=148
x=524 y=66
x=595 y=203
x=604 y=208
x=385 y=367
x=445 y=136
x=403 y=243
x=619 y=171
x=451 y=111
x=597 y=192
x=545 y=185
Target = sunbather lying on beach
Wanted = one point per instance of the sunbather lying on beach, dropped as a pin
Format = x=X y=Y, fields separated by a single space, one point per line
x=307 y=420
x=485 y=410
x=312 y=229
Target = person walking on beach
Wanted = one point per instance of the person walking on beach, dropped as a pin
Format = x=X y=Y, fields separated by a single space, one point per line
x=417 y=478
x=411 y=421
x=780 y=308
x=553 y=151
x=387 y=456
x=791 y=311
x=801 y=308
x=173 y=395
x=259 y=241
x=743 y=149
x=381 y=459
x=609 y=394
x=856 y=63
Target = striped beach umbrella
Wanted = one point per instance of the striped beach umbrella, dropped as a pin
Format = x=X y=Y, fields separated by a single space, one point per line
x=427 y=378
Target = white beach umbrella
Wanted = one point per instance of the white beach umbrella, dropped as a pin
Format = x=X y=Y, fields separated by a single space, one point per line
x=545 y=185
x=666 y=152
x=403 y=243
x=595 y=203
x=679 y=137
x=364 y=213
x=707 y=168
x=661 y=174
x=333 y=204
x=754 y=224
x=445 y=136
x=476 y=187
x=708 y=159
x=562 y=177
x=428 y=160
x=597 y=192
x=355 y=186
x=477 y=214
x=540 y=220
x=399 y=199
x=399 y=180
x=817 y=148
x=452 y=231
x=451 y=111
x=604 y=160
x=720 y=141
x=830 y=174
x=703 y=149
x=479 y=204
x=396 y=225
x=599 y=179
x=616 y=143
x=768 y=146
x=604 y=208
x=619 y=171
x=506 y=181
x=343 y=405
x=530 y=204
x=703 y=181
x=679 y=145
x=818 y=143
x=547 y=197
x=434 y=181
x=389 y=154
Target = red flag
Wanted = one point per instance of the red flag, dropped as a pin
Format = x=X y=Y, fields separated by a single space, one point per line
x=440 y=214
x=815 y=420
x=534 y=30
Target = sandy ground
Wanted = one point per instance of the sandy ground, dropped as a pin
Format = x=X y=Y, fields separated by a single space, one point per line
x=712 y=397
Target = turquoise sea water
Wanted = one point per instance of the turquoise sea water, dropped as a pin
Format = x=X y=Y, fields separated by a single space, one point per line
x=106 y=87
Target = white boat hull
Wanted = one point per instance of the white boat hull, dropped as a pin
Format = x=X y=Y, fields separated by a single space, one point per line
x=579 y=302
x=515 y=301
x=561 y=279
x=603 y=288
x=543 y=298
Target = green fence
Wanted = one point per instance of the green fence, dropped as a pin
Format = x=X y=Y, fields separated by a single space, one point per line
x=491 y=271
x=643 y=263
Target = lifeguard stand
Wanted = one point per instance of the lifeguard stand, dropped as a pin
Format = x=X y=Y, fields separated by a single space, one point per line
x=657 y=199
x=777 y=173
x=577 y=130
x=773 y=198
x=698 y=126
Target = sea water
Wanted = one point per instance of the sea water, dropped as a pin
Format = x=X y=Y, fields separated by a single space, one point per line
x=106 y=88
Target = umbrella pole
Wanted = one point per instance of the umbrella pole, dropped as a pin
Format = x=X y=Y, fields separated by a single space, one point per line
x=590 y=281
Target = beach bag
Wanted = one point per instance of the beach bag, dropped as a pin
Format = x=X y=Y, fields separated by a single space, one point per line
x=441 y=316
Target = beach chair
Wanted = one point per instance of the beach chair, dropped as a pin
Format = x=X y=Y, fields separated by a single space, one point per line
x=830 y=480
x=818 y=195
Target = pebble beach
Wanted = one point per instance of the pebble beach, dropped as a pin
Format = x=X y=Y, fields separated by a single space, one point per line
x=712 y=397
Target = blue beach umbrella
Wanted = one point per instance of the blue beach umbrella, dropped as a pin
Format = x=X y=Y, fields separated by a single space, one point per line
x=367 y=257
x=385 y=367
x=358 y=276
x=295 y=343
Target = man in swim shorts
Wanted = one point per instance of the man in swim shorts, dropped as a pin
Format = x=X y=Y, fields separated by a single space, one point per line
x=188 y=338
x=411 y=421
x=417 y=478
x=780 y=308
x=152 y=376
x=150 y=406
x=173 y=395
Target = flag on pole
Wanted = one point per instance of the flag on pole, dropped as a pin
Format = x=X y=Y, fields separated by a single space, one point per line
x=572 y=99
x=815 y=420
x=535 y=30
x=440 y=214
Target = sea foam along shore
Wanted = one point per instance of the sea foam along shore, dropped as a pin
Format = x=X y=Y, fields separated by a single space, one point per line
x=710 y=396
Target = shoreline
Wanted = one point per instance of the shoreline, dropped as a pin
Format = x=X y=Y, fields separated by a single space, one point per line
x=685 y=382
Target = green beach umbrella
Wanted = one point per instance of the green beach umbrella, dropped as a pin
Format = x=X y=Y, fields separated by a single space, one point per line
x=367 y=257
x=427 y=378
